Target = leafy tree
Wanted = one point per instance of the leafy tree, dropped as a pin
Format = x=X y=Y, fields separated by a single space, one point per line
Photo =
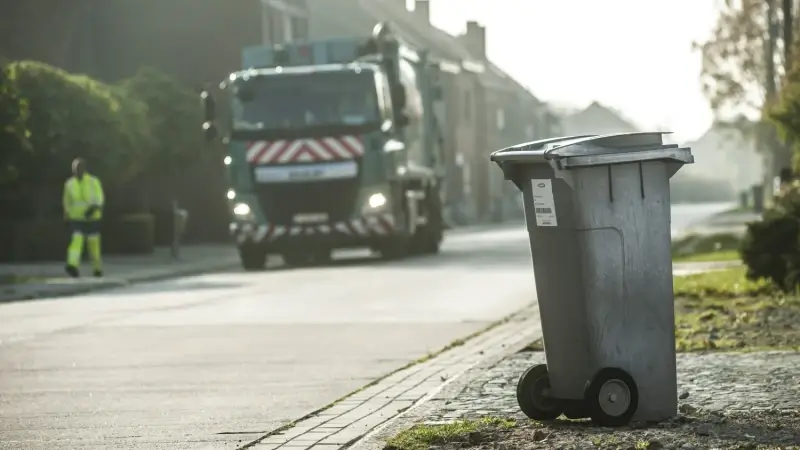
x=734 y=63
x=743 y=64
x=14 y=133
x=173 y=117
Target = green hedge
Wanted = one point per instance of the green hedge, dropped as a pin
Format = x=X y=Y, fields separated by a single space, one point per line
x=47 y=240
x=141 y=136
x=74 y=115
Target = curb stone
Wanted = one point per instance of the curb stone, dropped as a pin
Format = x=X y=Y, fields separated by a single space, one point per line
x=71 y=290
x=376 y=439
x=349 y=420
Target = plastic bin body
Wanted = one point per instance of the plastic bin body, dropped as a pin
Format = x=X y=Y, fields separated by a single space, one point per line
x=603 y=266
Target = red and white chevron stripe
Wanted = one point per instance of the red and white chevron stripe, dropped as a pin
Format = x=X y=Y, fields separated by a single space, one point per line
x=337 y=148
x=378 y=225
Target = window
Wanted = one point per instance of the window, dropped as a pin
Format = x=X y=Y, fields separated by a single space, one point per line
x=275 y=20
x=299 y=29
x=288 y=27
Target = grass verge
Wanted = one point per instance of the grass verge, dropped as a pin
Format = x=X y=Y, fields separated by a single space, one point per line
x=723 y=310
x=695 y=430
x=722 y=255
x=463 y=433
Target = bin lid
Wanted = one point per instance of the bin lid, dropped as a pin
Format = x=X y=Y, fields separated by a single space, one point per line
x=595 y=150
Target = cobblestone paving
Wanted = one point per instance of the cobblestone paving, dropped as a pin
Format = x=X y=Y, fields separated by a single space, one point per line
x=727 y=382
x=735 y=401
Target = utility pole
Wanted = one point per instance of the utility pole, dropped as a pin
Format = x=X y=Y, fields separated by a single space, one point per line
x=788 y=32
x=769 y=141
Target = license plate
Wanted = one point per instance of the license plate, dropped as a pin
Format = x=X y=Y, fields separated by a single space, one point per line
x=306 y=172
x=310 y=218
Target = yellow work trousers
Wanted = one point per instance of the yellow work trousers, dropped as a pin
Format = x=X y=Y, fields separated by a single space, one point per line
x=88 y=232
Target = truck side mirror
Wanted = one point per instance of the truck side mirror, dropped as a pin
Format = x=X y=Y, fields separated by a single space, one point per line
x=210 y=131
x=209 y=106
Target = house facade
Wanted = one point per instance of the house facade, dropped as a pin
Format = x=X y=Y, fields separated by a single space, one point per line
x=284 y=21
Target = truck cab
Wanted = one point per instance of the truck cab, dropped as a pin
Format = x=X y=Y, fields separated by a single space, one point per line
x=331 y=144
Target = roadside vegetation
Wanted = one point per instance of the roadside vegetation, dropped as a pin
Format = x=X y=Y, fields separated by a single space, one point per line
x=724 y=310
x=139 y=135
x=459 y=434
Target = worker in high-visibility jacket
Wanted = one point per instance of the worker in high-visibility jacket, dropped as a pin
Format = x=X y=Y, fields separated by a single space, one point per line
x=83 y=208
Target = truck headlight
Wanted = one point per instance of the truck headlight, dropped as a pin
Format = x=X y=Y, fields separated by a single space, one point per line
x=376 y=201
x=231 y=194
x=241 y=209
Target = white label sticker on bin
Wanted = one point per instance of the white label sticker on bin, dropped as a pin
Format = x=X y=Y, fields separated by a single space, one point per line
x=543 y=203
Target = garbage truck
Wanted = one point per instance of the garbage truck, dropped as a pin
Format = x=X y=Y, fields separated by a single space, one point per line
x=331 y=144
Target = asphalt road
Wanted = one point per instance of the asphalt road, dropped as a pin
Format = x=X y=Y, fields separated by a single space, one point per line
x=214 y=360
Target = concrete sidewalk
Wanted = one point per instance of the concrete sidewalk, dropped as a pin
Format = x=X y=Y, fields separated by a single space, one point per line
x=47 y=279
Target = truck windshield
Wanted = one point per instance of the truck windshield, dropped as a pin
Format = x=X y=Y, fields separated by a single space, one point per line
x=282 y=101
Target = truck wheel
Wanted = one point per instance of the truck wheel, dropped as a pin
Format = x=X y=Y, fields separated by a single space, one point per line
x=428 y=238
x=397 y=248
x=253 y=257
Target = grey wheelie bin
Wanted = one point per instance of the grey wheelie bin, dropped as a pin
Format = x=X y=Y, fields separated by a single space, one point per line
x=598 y=215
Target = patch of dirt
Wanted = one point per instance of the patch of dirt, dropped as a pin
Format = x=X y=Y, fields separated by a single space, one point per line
x=691 y=430
x=737 y=323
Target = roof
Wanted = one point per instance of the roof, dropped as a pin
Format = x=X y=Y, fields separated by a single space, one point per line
x=597 y=119
x=346 y=18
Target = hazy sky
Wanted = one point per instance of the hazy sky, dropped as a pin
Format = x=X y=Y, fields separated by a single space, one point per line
x=633 y=55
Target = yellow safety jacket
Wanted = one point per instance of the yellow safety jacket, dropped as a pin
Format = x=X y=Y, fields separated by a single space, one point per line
x=79 y=195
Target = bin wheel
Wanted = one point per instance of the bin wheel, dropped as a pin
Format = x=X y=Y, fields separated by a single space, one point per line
x=533 y=390
x=612 y=398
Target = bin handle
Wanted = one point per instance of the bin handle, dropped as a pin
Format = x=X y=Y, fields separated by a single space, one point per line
x=680 y=155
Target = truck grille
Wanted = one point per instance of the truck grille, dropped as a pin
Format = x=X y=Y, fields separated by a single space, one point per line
x=281 y=201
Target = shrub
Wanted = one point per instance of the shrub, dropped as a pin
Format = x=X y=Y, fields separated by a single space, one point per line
x=183 y=166
x=14 y=133
x=173 y=118
x=771 y=247
x=74 y=115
